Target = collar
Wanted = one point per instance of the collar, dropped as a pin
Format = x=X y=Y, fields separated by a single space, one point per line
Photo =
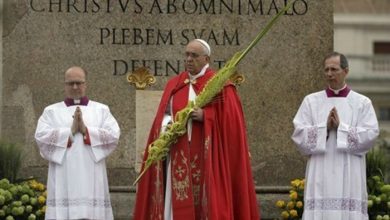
x=343 y=92
x=70 y=102
x=192 y=78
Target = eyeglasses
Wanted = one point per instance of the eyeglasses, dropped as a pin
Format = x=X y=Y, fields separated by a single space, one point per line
x=193 y=55
x=77 y=83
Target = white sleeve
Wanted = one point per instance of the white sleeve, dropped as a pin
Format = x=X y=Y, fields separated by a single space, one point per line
x=309 y=135
x=104 y=139
x=358 y=140
x=167 y=116
x=52 y=140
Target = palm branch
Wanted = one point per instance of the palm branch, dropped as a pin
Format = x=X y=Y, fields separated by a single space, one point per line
x=159 y=149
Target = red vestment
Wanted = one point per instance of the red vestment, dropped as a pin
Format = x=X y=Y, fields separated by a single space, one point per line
x=211 y=175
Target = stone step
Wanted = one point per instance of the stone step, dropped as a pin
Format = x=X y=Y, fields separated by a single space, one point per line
x=123 y=199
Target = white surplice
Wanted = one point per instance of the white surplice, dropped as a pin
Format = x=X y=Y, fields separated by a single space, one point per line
x=77 y=180
x=336 y=170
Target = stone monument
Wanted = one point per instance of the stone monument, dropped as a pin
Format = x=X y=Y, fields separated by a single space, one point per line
x=113 y=39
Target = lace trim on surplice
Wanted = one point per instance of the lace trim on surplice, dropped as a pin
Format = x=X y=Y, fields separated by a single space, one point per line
x=352 y=138
x=343 y=204
x=66 y=202
x=48 y=149
x=104 y=137
x=312 y=135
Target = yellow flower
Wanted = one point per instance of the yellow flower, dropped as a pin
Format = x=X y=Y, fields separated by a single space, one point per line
x=299 y=204
x=285 y=215
x=293 y=195
x=293 y=213
x=41 y=187
x=43 y=209
x=302 y=185
x=33 y=184
x=281 y=204
x=290 y=205
x=41 y=199
x=295 y=183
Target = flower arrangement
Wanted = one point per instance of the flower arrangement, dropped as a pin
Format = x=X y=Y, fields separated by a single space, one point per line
x=378 y=198
x=22 y=201
x=378 y=192
x=293 y=208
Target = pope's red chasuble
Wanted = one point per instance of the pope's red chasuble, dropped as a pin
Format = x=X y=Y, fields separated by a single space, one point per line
x=211 y=176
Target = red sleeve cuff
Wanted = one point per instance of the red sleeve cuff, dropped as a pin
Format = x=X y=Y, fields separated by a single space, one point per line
x=69 y=143
x=87 y=140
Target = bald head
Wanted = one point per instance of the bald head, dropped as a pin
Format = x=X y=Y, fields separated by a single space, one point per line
x=76 y=69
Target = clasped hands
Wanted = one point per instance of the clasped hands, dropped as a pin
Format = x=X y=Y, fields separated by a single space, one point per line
x=78 y=123
x=333 y=119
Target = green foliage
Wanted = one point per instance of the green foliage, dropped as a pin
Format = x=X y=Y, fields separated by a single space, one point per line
x=376 y=164
x=10 y=160
x=378 y=191
x=21 y=201
x=378 y=198
x=377 y=159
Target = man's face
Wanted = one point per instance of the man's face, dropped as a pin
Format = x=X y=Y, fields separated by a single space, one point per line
x=196 y=57
x=75 y=84
x=334 y=74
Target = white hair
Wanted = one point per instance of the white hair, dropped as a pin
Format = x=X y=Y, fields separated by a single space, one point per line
x=205 y=45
